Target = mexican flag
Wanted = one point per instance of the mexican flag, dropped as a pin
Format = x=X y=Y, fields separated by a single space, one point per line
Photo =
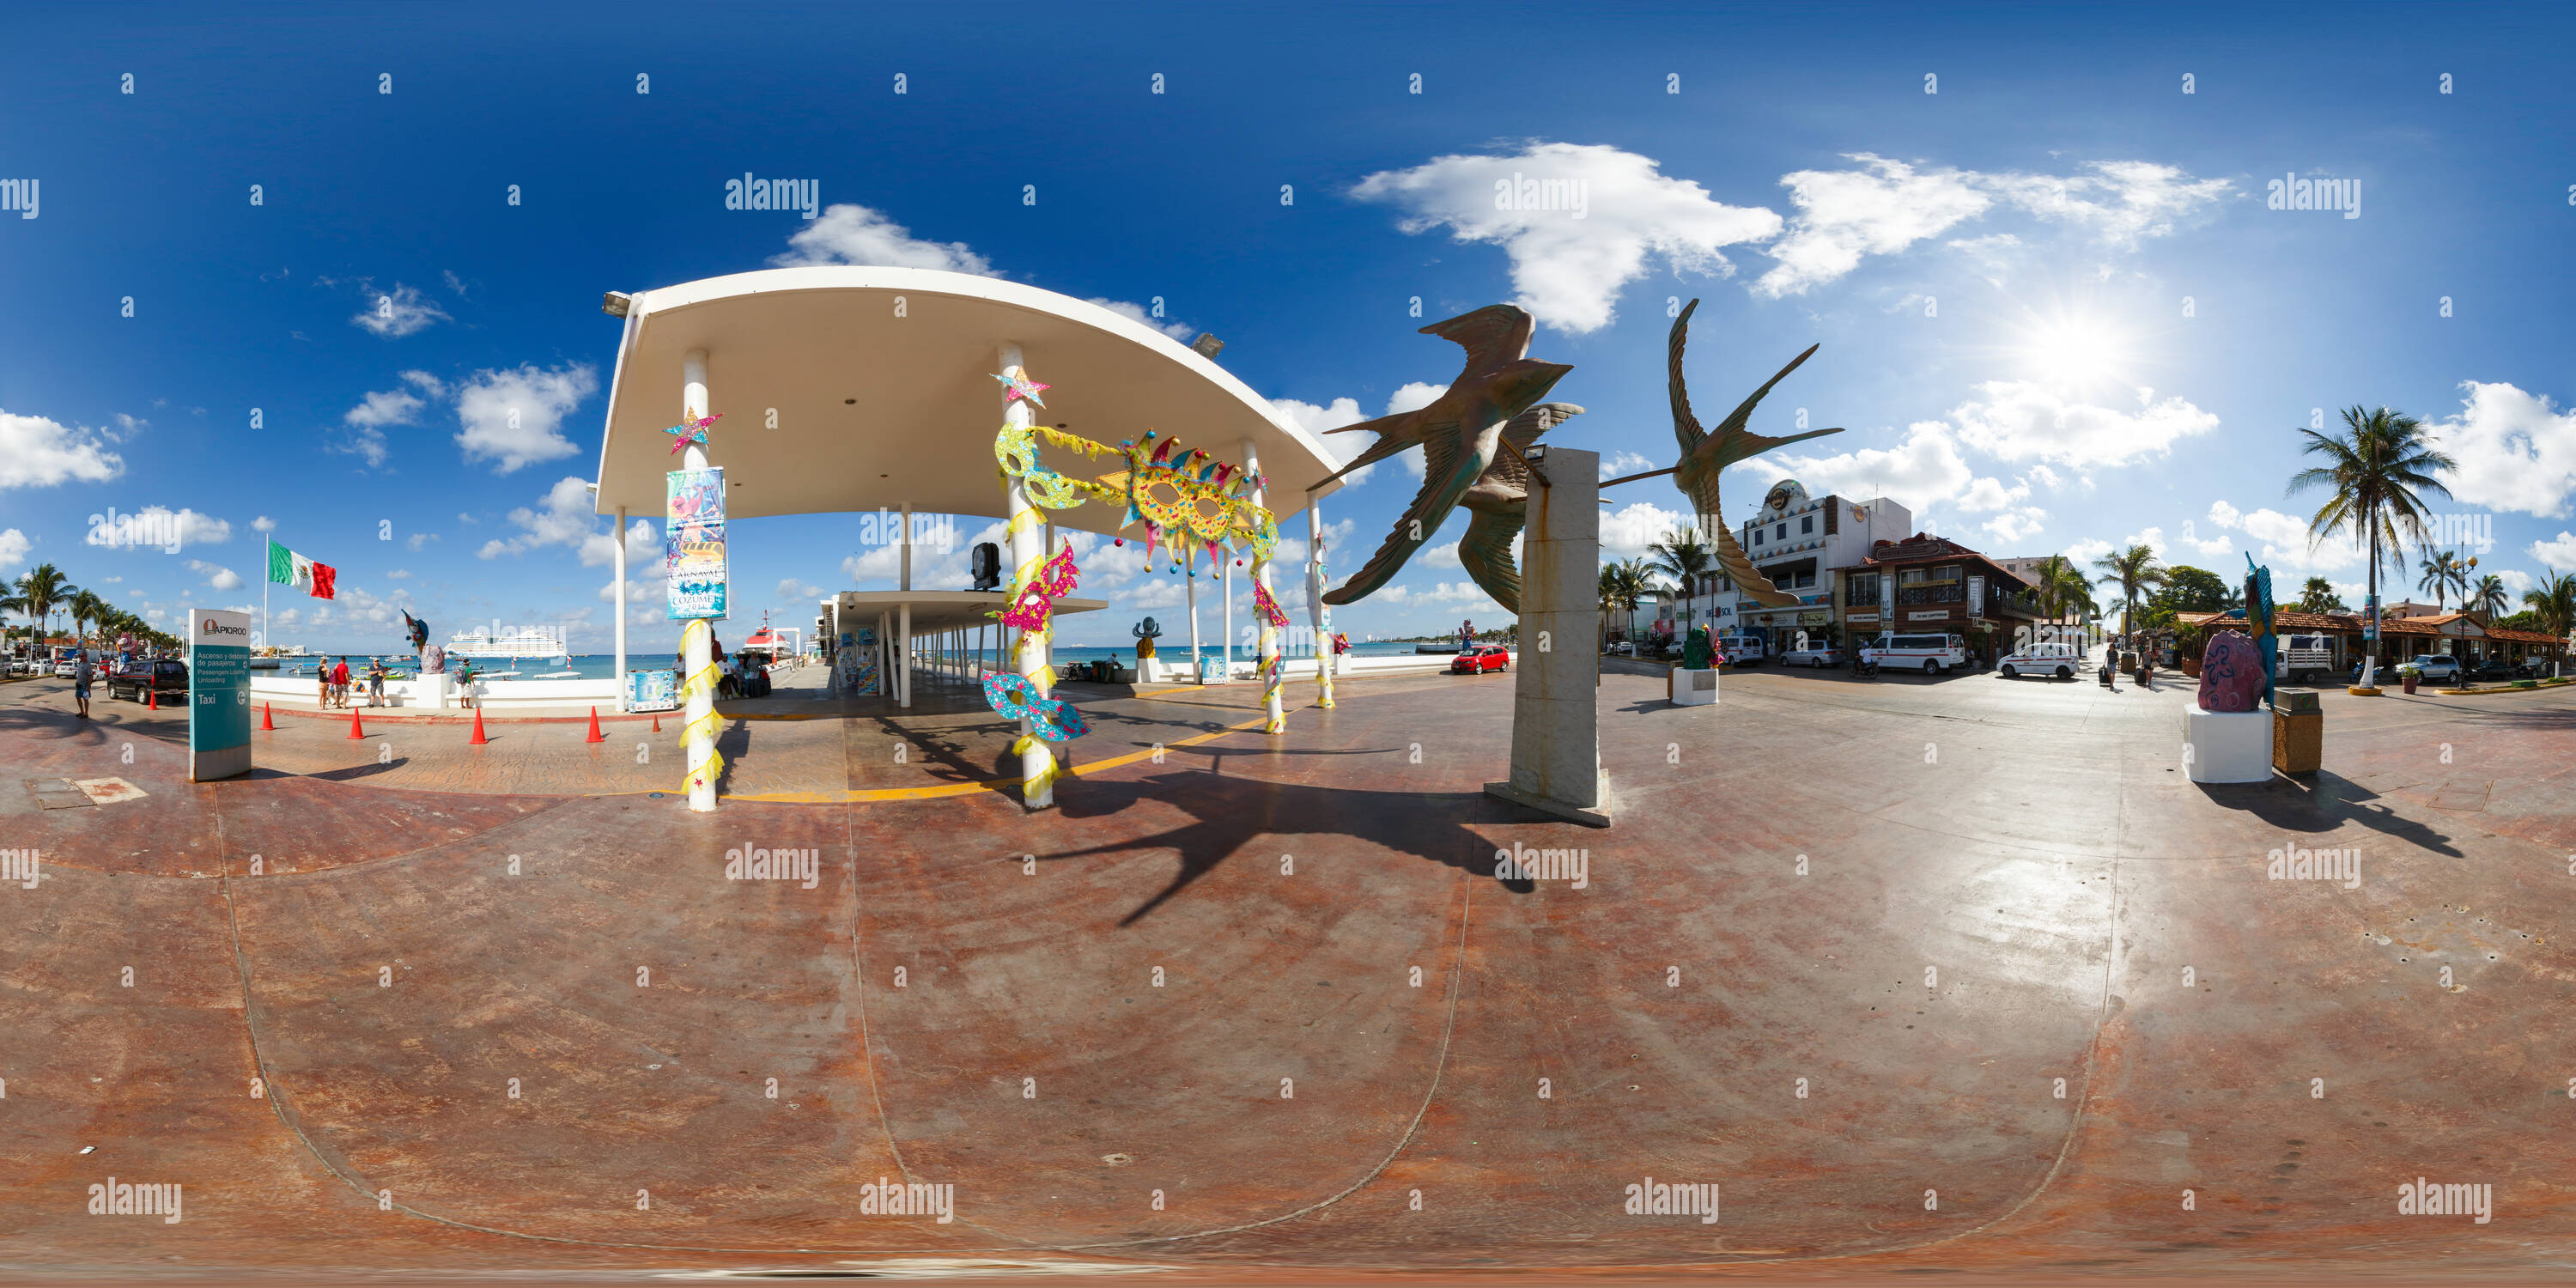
x=287 y=568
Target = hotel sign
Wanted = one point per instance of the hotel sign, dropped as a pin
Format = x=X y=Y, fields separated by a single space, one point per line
x=1933 y=616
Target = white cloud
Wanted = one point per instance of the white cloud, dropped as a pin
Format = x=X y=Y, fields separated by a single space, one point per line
x=36 y=451
x=2017 y=523
x=397 y=313
x=2515 y=450
x=1990 y=494
x=853 y=234
x=194 y=529
x=1626 y=533
x=794 y=589
x=1316 y=420
x=399 y=574
x=2018 y=420
x=2560 y=553
x=1924 y=470
x=1414 y=396
x=1570 y=263
x=219 y=578
x=2223 y=514
x=515 y=418
x=564 y=517
x=1444 y=555
x=2083 y=553
x=263 y=524
x=1618 y=464
x=1465 y=593
x=1137 y=313
x=13 y=547
x=380 y=408
x=1884 y=207
x=419 y=539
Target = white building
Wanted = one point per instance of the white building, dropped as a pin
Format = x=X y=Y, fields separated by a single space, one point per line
x=1796 y=541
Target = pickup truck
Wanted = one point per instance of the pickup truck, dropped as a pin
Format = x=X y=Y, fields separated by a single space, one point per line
x=167 y=677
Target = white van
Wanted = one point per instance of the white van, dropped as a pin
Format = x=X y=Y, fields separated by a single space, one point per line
x=1740 y=650
x=1930 y=654
x=2044 y=657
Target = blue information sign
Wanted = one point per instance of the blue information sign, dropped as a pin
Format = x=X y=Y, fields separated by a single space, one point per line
x=218 y=694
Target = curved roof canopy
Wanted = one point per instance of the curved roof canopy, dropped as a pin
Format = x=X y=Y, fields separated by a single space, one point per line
x=882 y=384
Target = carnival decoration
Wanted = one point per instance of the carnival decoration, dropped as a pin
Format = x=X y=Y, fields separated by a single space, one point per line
x=704 y=681
x=690 y=432
x=1268 y=607
x=1050 y=719
x=1016 y=384
x=1146 y=632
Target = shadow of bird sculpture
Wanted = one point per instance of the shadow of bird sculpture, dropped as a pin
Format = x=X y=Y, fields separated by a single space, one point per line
x=1706 y=454
x=1459 y=432
x=1498 y=506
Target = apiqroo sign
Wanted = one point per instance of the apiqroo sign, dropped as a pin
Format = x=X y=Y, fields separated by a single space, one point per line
x=218 y=694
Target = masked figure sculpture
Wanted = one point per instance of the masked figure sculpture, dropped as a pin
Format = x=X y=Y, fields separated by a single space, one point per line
x=1459 y=433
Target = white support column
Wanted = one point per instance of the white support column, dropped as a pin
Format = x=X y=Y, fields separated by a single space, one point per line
x=620 y=673
x=905 y=582
x=1198 y=669
x=1025 y=528
x=1271 y=667
x=1556 y=715
x=903 y=652
x=1317 y=615
x=1225 y=631
x=698 y=715
x=885 y=654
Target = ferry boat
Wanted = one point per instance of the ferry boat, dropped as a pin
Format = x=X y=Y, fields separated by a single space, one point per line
x=530 y=644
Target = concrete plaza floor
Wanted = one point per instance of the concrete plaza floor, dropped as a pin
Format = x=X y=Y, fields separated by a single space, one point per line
x=1926 y=975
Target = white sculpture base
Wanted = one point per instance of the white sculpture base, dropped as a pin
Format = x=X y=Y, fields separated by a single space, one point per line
x=1693 y=688
x=2228 y=746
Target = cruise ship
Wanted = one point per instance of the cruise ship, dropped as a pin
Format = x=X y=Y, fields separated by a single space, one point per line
x=526 y=645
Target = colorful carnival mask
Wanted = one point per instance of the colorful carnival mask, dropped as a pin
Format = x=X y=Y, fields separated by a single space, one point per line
x=1052 y=719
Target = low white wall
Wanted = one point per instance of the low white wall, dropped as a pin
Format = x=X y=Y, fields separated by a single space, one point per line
x=496 y=695
x=1245 y=668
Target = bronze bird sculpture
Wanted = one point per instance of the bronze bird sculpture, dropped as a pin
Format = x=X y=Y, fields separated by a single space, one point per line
x=1459 y=432
x=1705 y=455
x=1499 y=506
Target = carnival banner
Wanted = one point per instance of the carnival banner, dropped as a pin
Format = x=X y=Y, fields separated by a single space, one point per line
x=693 y=543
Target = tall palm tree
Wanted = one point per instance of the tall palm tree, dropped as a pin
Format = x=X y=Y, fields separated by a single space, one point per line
x=2489 y=597
x=1636 y=581
x=1682 y=555
x=2443 y=574
x=2318 y=596
x=2553 y=601
x=43 y=589
x=85 y=607
x=2135 y=568
x=1609 y=601
x=2375 y=469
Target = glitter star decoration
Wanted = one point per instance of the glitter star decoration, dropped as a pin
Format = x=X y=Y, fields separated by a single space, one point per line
x=692 y=431
x=1016 y=384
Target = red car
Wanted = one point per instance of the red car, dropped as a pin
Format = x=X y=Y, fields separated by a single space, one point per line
x=1480 y=659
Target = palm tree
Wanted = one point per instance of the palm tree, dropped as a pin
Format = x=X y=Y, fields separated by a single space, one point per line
x=2489 y=597
x=85 y=607
x=40 y=591
x=2319 y=596
x=1682 y=555
x=2135 y=569
x=1636 y=581
x=2375 y=470
x=2553 y=601
x=2443 y=573
x=1609 y=603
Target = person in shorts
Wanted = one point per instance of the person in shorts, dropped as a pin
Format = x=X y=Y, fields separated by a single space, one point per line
x=322 y=676
x=340 y=682
x=376 y=682
x=81 y=676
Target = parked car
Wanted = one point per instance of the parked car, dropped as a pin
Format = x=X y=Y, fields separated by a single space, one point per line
x=1813 y=655
x=1740 y=650
x=2437 y=666
x=1480 y=659
x=65 y=669
x=165 y=677
x=1930 y=654
x=2499 y=669
x=2044 y=657
x=1623 y=648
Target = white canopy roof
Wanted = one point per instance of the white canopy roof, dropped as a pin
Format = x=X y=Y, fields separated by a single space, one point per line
x=882 y=384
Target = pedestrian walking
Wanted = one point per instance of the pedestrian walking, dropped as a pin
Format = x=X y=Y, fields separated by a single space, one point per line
x=375 y=682
x=322 y=678
x=81 y=676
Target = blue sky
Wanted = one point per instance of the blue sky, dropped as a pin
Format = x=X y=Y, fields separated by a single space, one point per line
x=1996 y=270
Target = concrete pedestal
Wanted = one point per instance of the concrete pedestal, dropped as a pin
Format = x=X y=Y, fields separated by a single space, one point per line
x=1689 y=688
x=430 y=691
x=2228 y=746
x=1556 y=703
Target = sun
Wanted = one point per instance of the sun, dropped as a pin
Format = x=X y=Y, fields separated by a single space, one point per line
x=2076 y=353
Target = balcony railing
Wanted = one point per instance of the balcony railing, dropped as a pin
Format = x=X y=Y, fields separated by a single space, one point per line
x=1932 y=595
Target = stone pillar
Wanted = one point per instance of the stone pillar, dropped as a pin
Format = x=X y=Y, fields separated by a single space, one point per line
x=1556 y=714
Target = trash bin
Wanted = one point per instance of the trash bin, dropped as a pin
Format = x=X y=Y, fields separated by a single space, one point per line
x=2298 y=731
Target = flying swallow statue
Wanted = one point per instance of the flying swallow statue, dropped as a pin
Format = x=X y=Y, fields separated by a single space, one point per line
x=1459 y=432
x=1498 y=504
x=1706 y=454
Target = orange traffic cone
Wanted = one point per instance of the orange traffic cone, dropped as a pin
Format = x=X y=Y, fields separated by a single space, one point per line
x=264 y=721
x=152 y=697
x=356 y=730
x=594 y=727
x=657 y=722
x=478 y=739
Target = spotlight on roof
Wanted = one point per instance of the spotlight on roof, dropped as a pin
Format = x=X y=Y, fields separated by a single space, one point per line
x=614 y=303
x=1207 y=345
